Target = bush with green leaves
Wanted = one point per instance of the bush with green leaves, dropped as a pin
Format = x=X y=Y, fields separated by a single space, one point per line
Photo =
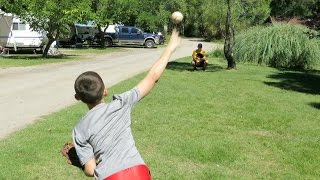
x=217 y=53
x=279 y=45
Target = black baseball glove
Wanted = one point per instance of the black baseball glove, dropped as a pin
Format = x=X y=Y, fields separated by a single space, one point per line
x=199 y=55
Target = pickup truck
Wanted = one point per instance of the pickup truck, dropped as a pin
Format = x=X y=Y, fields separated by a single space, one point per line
x=115 y=35
x=130 y=35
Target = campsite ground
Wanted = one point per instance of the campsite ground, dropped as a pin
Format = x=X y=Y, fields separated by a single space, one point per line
x=28 y=93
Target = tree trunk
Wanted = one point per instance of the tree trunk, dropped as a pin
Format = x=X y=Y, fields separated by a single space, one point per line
x=101 y=37
x=51 y=39
x=229 y=40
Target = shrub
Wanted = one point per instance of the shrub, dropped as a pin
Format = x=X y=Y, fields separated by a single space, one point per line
x=218 y=53
x=280 y=46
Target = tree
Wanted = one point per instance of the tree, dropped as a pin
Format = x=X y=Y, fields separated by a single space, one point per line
x=245 y=13
x=194 y=17
x=294 y=7
x=229 y=39
x=308 y=11
x=101 y=13
x=10 y=5
x=155 y=18
x=51 y=16
x=214 y=18
x=148 y=18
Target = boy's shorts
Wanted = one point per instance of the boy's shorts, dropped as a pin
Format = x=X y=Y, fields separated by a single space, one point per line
x=139 y=172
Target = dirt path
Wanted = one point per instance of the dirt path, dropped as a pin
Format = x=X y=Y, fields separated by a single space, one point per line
x=28 y=93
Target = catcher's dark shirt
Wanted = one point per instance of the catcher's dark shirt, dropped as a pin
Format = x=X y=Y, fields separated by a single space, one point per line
x=104 y=133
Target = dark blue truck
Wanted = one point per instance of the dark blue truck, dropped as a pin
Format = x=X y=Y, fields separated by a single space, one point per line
x=130 y=35
x=116 y=35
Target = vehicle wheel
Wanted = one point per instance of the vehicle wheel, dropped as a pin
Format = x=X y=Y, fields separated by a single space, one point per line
x=108 y=42
x=149 y=43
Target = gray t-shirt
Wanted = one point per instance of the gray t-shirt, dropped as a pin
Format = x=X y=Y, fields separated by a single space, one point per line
x=104 y=133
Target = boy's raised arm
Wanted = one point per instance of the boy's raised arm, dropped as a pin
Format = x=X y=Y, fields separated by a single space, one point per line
x=159 y=66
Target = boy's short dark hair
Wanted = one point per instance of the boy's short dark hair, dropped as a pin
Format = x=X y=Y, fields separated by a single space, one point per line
x=89 y=87
x=199 y=45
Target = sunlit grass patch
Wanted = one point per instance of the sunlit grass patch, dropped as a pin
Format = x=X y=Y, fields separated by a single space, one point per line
x=216 y=124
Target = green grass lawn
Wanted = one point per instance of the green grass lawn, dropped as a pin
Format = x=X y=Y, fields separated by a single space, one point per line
x=67 y=54
x=252 y=123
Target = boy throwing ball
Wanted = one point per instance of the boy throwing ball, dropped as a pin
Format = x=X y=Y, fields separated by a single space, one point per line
x=103 y=139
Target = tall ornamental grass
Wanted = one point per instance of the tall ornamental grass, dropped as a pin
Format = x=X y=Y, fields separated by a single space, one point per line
x=280 y=46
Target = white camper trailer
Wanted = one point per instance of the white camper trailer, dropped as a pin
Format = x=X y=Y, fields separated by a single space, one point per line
x=16 y=34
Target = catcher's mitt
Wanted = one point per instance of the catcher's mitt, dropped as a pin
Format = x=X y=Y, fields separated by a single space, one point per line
x=69 y=151
x=199 y=55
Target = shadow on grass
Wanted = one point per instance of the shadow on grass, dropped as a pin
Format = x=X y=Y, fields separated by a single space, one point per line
x=183 y=66
x=315 y=105
x=297 y=81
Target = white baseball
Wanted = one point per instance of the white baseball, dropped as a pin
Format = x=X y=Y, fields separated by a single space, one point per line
x=176 y=17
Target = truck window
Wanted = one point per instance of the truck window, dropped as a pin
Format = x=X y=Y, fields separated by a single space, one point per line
x=125 y=30
x=134 y=30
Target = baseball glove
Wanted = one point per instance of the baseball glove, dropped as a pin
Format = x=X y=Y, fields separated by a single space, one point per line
x=199 y=55
x=69 y=151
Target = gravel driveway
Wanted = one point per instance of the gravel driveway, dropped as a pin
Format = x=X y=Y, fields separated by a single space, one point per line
x=28 y=93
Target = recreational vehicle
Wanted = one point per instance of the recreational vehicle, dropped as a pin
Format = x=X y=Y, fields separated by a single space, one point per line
x=16 y=34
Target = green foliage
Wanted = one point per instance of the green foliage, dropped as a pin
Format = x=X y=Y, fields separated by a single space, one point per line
x=252 y=12
x=214 y=22
x=294 y=7
x=50 y=16
x=154 y=14
x=101 y=11
x=10 y=6
x=244 y=14
x=194 y=18
x=205 y=18
x=281 y=46
x=218 y=53
x=150 y=15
